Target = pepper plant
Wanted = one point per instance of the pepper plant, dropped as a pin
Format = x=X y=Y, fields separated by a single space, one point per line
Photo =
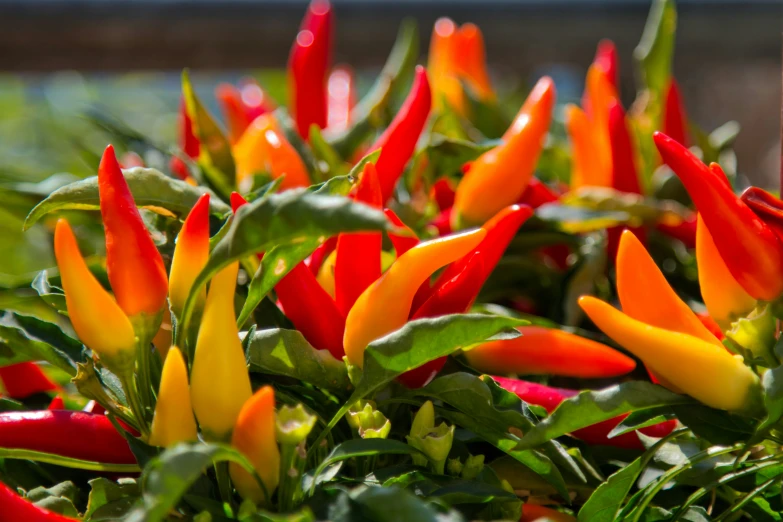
x=428 y=304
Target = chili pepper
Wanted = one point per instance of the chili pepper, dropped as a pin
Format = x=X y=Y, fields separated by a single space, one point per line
x=163 y=338
x=254 y=436
x=685 y=231
x=598 y=96
x=537 y=193
x=536 y=513
x=98 y=320
x=442 y=222
x=398 y=141
x=57 y=403
x=401 y=243
x=241 y=106
x=624 y=175
x=312 y=310
x=74 y=434
x=606 y=59
x=471 y=62
x=597 y=434
x=133 y=264
x=320 y=254
x=24 y=379
x=498 y=178
x=263 y=148
x=341 y=89
x=308 y=65
x=542 y=351
x=706 y=372
x=711 y=325
x=723 y=296
x=188 y=142
x=442 y=193
x=219 y=382
x=358 y=256
x=173 y=421
x=766 y=206
x=587 y=169
x=750 y=249
x=190 y=255
x=14 y=508
x=675 y=123
x=386 y=304
x=441 y=63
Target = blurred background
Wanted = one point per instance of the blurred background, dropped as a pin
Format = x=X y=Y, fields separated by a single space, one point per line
x=62 y=59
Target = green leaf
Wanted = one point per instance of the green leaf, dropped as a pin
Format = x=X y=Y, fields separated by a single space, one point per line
x=363 y=448
x=110 y=500
x=446 y=155
x=150 y=188
x=336 y=186
x=215 y=157
x=592 y=407
x=370 y=112
x=716 y=426
x=772 y=381
x=378 y=504
x=67 y=462
x=50 y=333
x=286 y=352
x=53 y=296
x=291 y=217
x=16 y=346
x=167 y=478
x=59 y=498
x=640 y=210
x=327 y=160
x=655 y=51
x=641 y=419
x=584 y=277
x=574 y=220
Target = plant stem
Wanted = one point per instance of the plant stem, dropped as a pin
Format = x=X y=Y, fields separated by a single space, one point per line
x=131 y=394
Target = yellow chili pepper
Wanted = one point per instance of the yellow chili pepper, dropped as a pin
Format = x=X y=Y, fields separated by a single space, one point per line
x=254 y=436
x=219 y=382
x=587 y=171
x=499 y=177
x=190 y=255
x=173 y=421
x=724 y=297
x=701 y=369
x=98 y=320
x=263 y=148
x=385 y=305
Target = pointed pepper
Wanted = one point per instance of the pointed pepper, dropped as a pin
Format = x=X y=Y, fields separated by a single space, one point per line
x=190 y=255
x=24 y=379
x=675 y=123
x=173 y=421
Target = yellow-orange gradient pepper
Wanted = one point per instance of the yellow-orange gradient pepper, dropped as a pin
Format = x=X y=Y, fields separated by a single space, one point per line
x=173 y=421
x=547 y=351
x=263 y=148
x=699 y=368
x=98 y=320
x=133 y=263
x=254 y=436
x=498 y=178
x=219 y=382
x=588 y=169
x=190 y=255
x=385 y=305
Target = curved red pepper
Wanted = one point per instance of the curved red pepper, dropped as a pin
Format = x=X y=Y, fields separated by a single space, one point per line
x=14 y=508
x=74 y=434
x=443 y=193
x=749 y=247
x=358 y=256
x=442 y=222
x=624 y=175
x=320 y=254
x=550 y=398
x=308 y=66
x=765 y=206
x=188 y=142
x=24 y=379
x=675 y=124
x=606 y=59
x=399 y=140
x=401 y=243
x=537 y=194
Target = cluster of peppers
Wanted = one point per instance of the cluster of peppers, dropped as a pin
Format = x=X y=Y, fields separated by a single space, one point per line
x=350 y=291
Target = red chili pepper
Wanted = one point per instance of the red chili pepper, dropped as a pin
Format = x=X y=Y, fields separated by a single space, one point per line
x=241 y=106
x=443 y=193
x=711 y=325
x=24 y=379
x=606 y=59
x=74 y=434
x=401 y=243
x=358 y=256
x=56 y=404
x=93 y=407
x=188 y=142
x=14 y=508
x=442 y=222
x=624 y=175
x=675 y=123
x=341 y=89
x=308 y=65
x=399 y=140
x=685 y=231
x=749 y=247
x=550 y=398
x=320 y=254
x=767 y=207
x=236 y=201
x=537 y=194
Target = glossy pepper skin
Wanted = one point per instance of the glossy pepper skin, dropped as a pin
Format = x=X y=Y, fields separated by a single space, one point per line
x=751 y=250
x=597 y=434
x=764 y=205
x=401 y=243
x=75 y=434
x=541 y=351
x=97 y=318
x=254 y=436
x=308 y=66
x=219 y=382
x=133 y=263
x=14 y=508
x=190 y=255
x=385 y=305
x=24 y=379
x=498 y=178
x=358 y=256
x=675 y=123
x=706 y=372
x=173 y=421
x=398 y=141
